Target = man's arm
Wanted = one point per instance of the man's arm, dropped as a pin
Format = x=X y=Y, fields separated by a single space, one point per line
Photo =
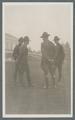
x=63 y=53
x=14 y=55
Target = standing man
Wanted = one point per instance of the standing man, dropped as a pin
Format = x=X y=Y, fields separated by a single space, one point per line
x=24 y=66
x=16 y=57
x=60 y=55
x=48 y=54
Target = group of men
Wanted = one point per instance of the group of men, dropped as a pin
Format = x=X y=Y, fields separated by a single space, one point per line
x=52 y=58
x=20 y=55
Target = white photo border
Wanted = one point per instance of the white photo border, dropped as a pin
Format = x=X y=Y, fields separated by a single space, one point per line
x=4 y=115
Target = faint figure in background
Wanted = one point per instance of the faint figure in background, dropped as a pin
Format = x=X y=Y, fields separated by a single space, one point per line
x=48 y=55
x=16 y=53
x=59 y=58
x=23 y=61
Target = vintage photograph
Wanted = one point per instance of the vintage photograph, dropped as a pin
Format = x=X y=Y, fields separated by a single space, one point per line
x=37 y=59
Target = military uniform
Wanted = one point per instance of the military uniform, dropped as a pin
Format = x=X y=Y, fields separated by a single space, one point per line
x=23 y=63
x=48 y=55
x=16 y=53
x=59 y=58
x=47 y=62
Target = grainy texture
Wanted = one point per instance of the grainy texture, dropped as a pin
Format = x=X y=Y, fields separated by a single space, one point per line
x=37 y=100
x=11 y=86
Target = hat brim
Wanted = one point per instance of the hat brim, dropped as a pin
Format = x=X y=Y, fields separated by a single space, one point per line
x=44 y=36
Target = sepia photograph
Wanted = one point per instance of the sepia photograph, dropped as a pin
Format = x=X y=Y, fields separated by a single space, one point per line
x=37 y=42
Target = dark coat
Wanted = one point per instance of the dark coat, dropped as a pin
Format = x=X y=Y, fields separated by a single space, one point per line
x=60 y=54
x=48 y=55
x=48 y=50
x=16 y=52
x=23 y=58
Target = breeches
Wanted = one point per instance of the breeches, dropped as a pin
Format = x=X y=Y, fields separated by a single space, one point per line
x=24 y=68
x=48 y=67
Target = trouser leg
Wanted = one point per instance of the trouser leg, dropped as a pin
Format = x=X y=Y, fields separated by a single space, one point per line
x=46 y=79
x=45 y=70
x=21 y=77
x=53 y=78
x=59 y=72
x=44 y=67
x=52 y=72
x=15 y=72
x=28 y=76
x=15 y=75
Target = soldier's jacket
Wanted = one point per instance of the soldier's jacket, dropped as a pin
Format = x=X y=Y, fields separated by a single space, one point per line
x=48 y=56
x=23 y=51
x=48 y=50
x=23 y=58
x=60 y=55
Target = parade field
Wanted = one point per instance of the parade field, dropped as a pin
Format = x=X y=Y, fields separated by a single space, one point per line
x=21 y=99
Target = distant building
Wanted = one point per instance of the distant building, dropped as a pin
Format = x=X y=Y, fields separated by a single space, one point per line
x=10 y=42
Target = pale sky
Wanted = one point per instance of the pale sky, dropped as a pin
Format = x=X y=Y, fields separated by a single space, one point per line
x=33 y=20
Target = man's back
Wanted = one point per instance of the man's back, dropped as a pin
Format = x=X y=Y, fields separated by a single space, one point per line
x=60 y=53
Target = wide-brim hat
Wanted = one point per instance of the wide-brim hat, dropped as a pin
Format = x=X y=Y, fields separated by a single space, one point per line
x=45 y=34
x=20 y=39
x=56 y=38
x=26 y=38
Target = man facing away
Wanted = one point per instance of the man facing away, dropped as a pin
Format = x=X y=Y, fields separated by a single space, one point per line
x=48 y=55
x=16 y=53
x=60 y=55
x=23 y=58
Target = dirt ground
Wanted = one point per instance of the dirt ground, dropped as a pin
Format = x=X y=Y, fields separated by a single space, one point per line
x=37 y=100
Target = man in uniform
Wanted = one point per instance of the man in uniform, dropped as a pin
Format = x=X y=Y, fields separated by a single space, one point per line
x=48 y=54
x=16 y=57
x=24 y=66
x=60 y=55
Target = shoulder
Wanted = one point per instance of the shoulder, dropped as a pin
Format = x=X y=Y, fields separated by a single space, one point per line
x=17 y=47
x=51 y=43
x=61 y=46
